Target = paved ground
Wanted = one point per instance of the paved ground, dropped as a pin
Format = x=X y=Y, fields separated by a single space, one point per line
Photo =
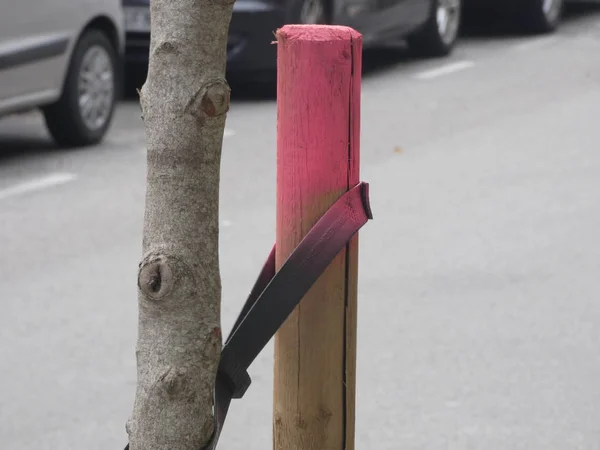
x=479 y=311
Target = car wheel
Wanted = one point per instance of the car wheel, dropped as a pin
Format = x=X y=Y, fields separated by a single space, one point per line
x=84 y=111
x=543 y=16
x=439 y=34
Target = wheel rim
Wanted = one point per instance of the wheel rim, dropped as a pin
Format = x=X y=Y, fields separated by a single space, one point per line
x=448 y=19
x=96 y=87
x=551 y=9
x=312 y=13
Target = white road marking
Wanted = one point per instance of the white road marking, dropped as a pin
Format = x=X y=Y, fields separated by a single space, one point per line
x=38 y=184
x=226 y=223
x=446 y=69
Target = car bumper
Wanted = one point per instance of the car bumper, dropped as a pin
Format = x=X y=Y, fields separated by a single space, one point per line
x=249 y=47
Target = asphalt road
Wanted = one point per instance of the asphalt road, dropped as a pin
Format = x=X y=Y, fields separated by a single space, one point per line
x=479 y=297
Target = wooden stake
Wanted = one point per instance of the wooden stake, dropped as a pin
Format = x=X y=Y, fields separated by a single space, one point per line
x=318 y=133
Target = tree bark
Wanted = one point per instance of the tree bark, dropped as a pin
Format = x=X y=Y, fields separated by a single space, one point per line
x=184 y=104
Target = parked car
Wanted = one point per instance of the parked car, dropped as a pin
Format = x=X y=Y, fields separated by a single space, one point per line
x=536 y=16
x=430 y=27
x=64 y=57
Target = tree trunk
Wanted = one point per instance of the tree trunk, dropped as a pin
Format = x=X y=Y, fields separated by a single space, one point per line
x=184 y=104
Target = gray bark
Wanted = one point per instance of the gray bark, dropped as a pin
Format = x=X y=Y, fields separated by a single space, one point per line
x=184 y=104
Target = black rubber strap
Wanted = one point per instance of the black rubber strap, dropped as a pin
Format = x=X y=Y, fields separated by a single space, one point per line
x=275 y=295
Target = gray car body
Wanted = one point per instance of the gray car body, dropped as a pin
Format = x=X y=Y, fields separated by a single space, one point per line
x=37 y=39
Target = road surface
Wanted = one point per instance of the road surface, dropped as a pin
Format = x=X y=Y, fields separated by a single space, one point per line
x=479 y=291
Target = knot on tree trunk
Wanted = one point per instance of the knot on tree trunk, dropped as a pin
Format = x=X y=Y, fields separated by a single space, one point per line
x=155 y=277
x=176 y=384
x=211 y=100
x=167 y=47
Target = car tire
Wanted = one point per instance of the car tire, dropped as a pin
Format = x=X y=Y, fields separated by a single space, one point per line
x=84 y=112
x=308 y=12
x=542 y=16
x=439 y=34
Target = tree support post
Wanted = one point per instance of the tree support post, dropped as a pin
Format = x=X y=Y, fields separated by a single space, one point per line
x=318 y=134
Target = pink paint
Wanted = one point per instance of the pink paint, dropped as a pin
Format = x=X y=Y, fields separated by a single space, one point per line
x=318 y=124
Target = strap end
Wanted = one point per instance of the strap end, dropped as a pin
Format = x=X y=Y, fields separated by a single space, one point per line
x=232 y=373
x=364 y=195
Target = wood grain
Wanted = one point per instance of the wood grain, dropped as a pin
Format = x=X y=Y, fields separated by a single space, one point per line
x=318 y=134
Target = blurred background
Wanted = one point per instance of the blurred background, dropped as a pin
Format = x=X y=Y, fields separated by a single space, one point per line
x=479 y=299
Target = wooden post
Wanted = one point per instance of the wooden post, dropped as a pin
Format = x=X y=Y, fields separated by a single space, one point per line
x=318 y=132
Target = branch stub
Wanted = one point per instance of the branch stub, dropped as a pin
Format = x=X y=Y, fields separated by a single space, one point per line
x=155 y=278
